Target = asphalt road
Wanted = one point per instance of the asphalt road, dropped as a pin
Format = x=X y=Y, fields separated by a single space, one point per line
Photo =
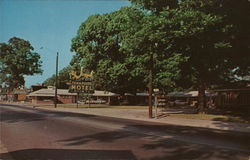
x=36 y=134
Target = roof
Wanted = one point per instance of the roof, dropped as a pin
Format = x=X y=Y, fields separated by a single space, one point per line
x=50 y=93
x=142 y=94
x=233 y=90
x=104 y=94
x=20 y=91
x=188 y=94
x=246 y=78
x=137 y=94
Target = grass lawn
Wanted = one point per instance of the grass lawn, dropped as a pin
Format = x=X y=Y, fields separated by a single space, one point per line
x=94 y=106
x=238 y=116
x=213 y=117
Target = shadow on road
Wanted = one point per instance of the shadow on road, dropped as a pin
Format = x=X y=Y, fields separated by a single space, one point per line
x=180 y=151
x=235 y=138
x=68 y=154
x=19 y=116
x=144 y=141
x=172 y=148
x=11 y=116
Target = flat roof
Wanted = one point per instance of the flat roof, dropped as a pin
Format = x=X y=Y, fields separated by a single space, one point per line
x=50 y=93
x=189 y=94
x=65 y=92
x=237 y=89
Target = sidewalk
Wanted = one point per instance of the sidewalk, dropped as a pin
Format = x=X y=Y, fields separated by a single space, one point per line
x=142 y=114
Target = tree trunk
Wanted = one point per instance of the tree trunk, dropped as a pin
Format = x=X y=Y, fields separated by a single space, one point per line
x=150 y=88
x=201 y=97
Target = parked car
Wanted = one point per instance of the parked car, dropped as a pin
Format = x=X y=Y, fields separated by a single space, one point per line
x=98 y=101
x=178 y=102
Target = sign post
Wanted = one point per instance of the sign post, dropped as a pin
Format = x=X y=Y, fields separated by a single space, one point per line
x=156 y=91
x=81 y=82
x=156 y=103
x=77 y=97
x=89 y=100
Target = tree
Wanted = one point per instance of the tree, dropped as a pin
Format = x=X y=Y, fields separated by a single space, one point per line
x=239 y=34
x=156 y=6
x=191 y=43
x=98 y=48
x=167 y=39
x=63 y=78
x=16 y=60
x=208 y=34
x=219 y=46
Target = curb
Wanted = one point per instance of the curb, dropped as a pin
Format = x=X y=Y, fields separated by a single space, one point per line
x=206 y=124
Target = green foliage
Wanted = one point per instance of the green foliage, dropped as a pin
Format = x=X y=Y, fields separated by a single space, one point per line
x=98 y=48
x=63 y=79
x=156 y=6
x=225 y=44
x=208 y=33
x=17 y=60
x=191 y=43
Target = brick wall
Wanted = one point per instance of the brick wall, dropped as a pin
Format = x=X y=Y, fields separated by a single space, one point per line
x=21 y=97
x=66 y=99
x=36 y=101
x=61 y=99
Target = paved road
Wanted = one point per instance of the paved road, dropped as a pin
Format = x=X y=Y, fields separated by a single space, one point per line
x=35 y=134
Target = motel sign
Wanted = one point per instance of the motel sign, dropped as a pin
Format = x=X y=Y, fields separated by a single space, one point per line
x=81 y=82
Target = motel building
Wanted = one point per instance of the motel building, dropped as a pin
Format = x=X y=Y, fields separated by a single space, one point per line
x=47 y=96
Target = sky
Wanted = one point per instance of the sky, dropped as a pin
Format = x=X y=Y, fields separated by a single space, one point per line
x=49 y=25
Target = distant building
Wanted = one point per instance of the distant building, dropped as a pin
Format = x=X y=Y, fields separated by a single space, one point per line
x=37 y=87
x=47 y=96
x=135 y=99
x=20 y=94
x=189 y=98
x=3 y=94
x=13 y=95
x=233 y=97
x=219 y=98
x=104 y=97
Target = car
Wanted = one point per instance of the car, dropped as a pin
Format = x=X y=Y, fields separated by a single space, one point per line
x=98 y=101
x=178 y=102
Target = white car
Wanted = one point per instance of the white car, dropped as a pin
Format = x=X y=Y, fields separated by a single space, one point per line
x=99 y=101
x=178 y=103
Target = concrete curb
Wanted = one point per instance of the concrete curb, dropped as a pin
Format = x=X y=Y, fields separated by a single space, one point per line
x=136 y=114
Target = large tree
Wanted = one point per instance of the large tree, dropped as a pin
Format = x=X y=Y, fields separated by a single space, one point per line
x=98 y=47
x=156 y=6
x=209 y=35
x=191 y=43
x=16 y=60
x=63 y=79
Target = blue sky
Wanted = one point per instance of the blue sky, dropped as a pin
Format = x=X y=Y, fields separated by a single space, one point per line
x=50 y=24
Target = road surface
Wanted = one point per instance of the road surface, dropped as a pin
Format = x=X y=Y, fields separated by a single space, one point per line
x=36 y=134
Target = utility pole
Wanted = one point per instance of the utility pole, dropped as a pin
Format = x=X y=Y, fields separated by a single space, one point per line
x=150 y=87
x=150 y=82
x=55 y=100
